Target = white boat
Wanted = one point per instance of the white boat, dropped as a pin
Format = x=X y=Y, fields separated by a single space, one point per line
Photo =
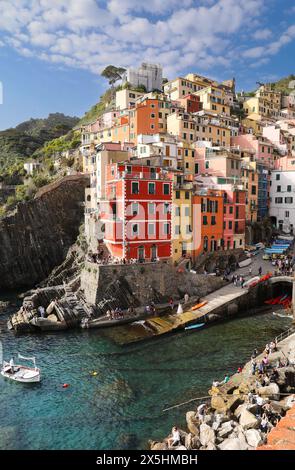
x=21 y=373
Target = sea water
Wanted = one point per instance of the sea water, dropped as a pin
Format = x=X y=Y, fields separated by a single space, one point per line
x=120 y=406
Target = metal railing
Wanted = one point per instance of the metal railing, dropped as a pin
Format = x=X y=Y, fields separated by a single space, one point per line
x=285 y=334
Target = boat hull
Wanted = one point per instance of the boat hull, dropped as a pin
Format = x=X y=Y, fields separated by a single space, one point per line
x=22 y=374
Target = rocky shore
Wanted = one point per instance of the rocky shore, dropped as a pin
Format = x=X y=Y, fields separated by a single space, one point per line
x=233 y=418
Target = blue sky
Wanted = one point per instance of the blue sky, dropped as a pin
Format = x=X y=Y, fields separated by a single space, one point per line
x=52 y=51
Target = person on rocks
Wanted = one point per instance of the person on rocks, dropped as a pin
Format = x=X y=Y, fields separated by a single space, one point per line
x=267 y=349
x=264 y=425
x=260 y=271
x=254 y=354
x=260 y=403
x=261 y=368
x=201 y=410
x=226 y=379
x=175 y=439
x=186 y=298
x=239 y=370
x=253 y=366
x=171 y=303
x=250 y=271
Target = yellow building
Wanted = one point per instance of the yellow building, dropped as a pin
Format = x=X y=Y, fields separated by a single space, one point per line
x=249 y=178
x=183 y=125
x=252 y=125
x=213 y=99
x=179 y=87
x=186 y=158
x=212 y=129
x=266 y=103
x=182 y=236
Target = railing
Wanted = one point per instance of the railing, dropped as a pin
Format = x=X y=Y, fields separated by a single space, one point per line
x=285 y=334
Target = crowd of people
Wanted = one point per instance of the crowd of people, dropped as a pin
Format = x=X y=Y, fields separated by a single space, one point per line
x=283 y=266
x=102 y=258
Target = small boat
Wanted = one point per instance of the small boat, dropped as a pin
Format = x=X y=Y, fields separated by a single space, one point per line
x=21 y=373
x=192 y=327
x=199 y=305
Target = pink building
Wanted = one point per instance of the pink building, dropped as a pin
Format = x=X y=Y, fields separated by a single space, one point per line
x=264 y=149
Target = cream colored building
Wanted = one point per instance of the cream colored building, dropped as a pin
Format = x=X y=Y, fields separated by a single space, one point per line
x=127 y=98
x=213 y=99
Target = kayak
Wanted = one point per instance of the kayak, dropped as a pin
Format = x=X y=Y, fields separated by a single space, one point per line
x=192 y=327
x=201 y=304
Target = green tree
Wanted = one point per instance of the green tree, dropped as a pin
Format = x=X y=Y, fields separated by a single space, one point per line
x=113 y=74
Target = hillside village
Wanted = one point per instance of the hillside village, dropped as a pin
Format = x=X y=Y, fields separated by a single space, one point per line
x=183 y=167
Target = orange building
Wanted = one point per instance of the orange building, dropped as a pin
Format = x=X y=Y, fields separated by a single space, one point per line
x=211 y=202
x=149 y=117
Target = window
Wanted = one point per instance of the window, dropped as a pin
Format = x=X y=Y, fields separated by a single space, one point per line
x=230 y=225
x=177 y=194
x=289 y=188
x=152 y=126
x=213 y=220
x=278 y=177
x=232 y=164
x=288 y=200
x=151 y=229
x=196 y=168
x=287 y=214
x=177 y=211
x=134 y=208
x=177 y=229
x=166 y=229
x=278 y=189
x=166 y=188
x=231 y=210
x=187 y=229
x=135 y=188
x=278 y=200
x=135 y=229
x=152 y=208
x=186 y=211
x=207 y=164
x=152 y=188
x=205 y=222
x=166 y=208
x=186 y=194
x=253 y=190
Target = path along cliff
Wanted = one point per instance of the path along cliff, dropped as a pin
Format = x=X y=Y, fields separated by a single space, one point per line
x=36 y=237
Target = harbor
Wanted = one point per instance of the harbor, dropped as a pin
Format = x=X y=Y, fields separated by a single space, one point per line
x=121 y=406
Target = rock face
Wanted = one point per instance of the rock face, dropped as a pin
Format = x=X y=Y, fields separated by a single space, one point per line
x=247 y=420
x=36 y=236
x=192 y=422
x=207 y=435
x=253 y=437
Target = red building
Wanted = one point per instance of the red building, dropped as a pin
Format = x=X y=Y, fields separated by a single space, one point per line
x=191 y=103
x=137 y=215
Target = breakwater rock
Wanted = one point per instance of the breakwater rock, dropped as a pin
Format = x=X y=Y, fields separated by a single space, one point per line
x=242 y=412
x=37 y=235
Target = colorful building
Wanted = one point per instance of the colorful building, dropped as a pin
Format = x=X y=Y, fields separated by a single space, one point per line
x=138 y=214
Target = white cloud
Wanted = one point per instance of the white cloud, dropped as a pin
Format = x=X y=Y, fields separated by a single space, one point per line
x=90 y=34
x=262 y=34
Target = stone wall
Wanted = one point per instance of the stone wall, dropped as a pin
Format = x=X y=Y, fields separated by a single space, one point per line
x=145 y=282
x=37 y=235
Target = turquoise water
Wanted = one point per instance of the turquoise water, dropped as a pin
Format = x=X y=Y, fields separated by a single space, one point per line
x=120 y=408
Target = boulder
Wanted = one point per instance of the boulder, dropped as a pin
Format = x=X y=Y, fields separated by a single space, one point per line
x=233 y=402
x=158 y=445
x=239 y=410
x=253 y=438
x=195 y=443
x=271 y=391
x=248 y=420
x=180 y=448
x=218 y=403
x=192 y=422
x=231 y=444
x=207 y=434
x=211 y=446
x=50 y=307
x=242 y=439
x=52 y=318
x=225 y=430
x=288 y=402
x=277 y=406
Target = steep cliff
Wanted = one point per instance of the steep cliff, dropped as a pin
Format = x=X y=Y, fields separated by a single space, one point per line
x=37 y=235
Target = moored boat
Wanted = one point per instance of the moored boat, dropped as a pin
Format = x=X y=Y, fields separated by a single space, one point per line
x=20 y=372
